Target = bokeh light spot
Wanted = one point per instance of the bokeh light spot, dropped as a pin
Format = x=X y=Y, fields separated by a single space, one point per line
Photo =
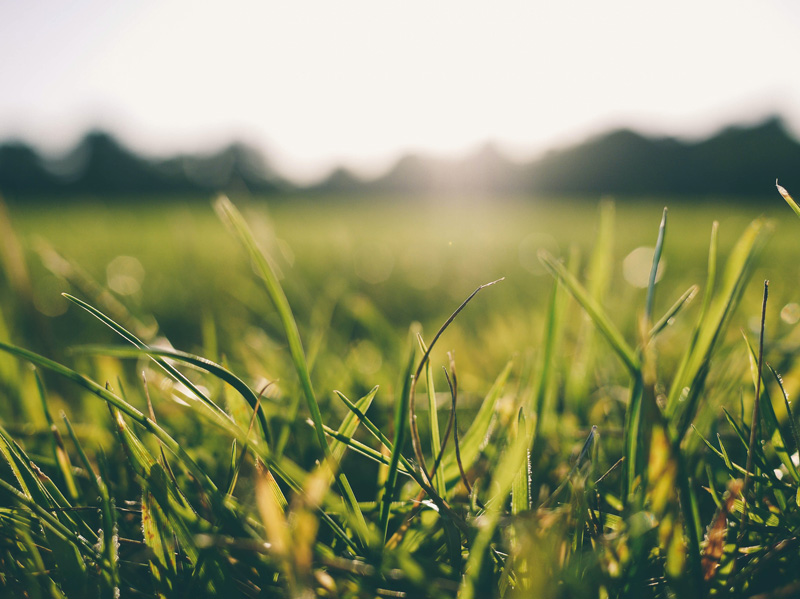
x=125 y=275
x=637 y=265
x=790 y=313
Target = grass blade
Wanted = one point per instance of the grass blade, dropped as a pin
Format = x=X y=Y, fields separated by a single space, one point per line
x=131 y=338
x=789 y=200
x=234 y=220
x=59 y=452
x=438 y=477
x=547 y=358
x=599 y=275
x=520 y=488
x=694 y=367
x=60 y=529
x=346 y=441
x=789 y=415
x=642 y=414
x=374 y=430
x=400 y=433
x=212 y=368
x=651 y=287
x=412 y=415
x=665 y=320
x=595 y=311
x=472 y=442
x=350 y=424
x=118 y=403
x=765 y=413
x=511 y=462
x=754 y=424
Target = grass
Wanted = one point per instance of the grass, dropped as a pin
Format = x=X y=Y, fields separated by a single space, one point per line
x=585 y=437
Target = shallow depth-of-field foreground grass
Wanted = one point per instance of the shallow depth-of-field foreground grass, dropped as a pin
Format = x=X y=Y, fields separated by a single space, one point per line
x=287 y=409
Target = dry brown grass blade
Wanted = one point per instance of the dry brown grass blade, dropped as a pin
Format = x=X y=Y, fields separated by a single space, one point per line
x=715 y=538
x=454 y=396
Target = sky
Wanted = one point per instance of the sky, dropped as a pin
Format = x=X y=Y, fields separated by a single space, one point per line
x=319 y=84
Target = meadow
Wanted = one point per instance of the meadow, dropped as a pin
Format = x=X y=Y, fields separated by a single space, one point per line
x=581 y=428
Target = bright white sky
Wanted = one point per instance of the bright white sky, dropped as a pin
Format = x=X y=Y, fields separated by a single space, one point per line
x=316 y=84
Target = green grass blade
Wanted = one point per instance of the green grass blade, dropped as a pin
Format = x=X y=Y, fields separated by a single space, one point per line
x=234 y=220
x=212 y=368
x=595 y=311
x=760 y=459
x=400 y=434
x=62 y=539
x=57 y=443
x=665 y=320
x=711 y=272
x=789 y=415
x=651 y=287
x=162 y=562
x=347 y=441
x=772 y=429
x=520 y=487
x=633 y=438
x=722 y=453
x=233 y=469
x=472 y=442
x=154 y=481
x=642 y=415
x=131 y=338
x=350 y=424
x=374 y=430
x=139 y=458
x=109 y=539
x=436 y=443
x=789 y=200
x=710 y=329
x=29 y=561
x=599 y=276
x=511 y=462
x=81 y=453
x=51 y=522
x=546 y=372
x=120 y=404
x=711 y=279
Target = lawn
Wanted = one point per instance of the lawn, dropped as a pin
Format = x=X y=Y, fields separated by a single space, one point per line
x=603 y=423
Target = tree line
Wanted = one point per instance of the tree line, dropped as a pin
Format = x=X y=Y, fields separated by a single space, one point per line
x=739 y=161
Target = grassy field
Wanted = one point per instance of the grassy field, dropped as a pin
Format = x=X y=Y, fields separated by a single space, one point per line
x=602 y=448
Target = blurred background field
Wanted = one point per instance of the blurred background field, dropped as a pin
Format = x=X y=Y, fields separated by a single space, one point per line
x=359 y=272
